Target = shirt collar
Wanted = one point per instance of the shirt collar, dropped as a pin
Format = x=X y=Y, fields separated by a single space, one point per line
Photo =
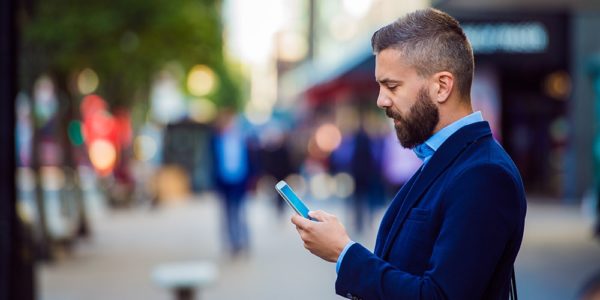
x=436 y=140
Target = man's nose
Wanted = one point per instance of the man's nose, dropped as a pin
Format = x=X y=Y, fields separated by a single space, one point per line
x=383 y=101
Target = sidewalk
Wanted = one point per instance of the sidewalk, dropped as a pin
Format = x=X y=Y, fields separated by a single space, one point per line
x=558 y=254
x=556 y=258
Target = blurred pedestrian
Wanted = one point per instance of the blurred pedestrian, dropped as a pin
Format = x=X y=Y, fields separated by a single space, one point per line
x=232 y=174
x=363 y=168
x=454 y=229
x=276 y=160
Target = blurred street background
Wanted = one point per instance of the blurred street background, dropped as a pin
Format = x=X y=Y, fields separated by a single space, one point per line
x=558 y=255
x=142 y=141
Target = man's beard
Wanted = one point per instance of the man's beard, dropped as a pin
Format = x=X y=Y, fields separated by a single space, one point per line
x=418 y=125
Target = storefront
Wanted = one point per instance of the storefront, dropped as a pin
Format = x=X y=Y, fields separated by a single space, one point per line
x=522 y=78
x=524 y=83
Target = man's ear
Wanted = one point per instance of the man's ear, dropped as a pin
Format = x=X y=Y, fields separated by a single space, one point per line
x=443 y=83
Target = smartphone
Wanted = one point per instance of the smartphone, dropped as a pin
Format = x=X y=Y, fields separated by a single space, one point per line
x=292 y=199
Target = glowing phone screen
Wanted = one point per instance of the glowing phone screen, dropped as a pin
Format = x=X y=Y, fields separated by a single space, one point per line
x=292 y=199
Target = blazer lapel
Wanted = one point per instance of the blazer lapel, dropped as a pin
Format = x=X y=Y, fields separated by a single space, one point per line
x=438 y=163
x=392 y=211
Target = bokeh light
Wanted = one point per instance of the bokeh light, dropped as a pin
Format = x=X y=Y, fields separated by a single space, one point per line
x=314 y=151
x=344 y=185
x=52 y=178
x=122 y=126
x=103 y=155
x=201 y=80
x=202 y=110
x=322 y=186
x=75 y=133
x=328 y=137
x=558 y=85
x=26 y=183
x=292 y=46
x=92 y=104
x=166 y=99
x=357 y=8
x=100 y=124
x=172 y=184
x=144 y=147
x=45 y=99
x=257 y=114
x=298 y=183
x=343 y=28
x=87 y=81
x=559 y=130
x=252 y=27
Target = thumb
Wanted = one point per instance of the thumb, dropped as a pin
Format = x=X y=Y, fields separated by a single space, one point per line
x=299 y=221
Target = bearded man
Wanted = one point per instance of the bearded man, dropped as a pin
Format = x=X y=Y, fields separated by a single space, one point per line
x=454 y=229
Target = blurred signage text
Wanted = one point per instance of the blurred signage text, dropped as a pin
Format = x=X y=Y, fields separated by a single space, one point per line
x=525 y=37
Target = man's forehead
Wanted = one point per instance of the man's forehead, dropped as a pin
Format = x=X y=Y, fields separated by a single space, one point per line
x=391 y=66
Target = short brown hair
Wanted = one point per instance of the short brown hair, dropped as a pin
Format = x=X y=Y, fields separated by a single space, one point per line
x=432 y=41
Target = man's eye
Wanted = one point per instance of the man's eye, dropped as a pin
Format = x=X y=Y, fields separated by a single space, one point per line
x=392 y=87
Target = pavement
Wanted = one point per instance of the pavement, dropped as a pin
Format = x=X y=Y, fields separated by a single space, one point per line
x=558 y=254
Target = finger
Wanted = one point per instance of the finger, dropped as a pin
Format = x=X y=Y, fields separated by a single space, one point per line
x=294 y=220
x=300 y=222
x=304 y=236
x=300 y=230
x=307 y=247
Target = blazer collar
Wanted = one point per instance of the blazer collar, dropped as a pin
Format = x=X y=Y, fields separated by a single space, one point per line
x=439 y=162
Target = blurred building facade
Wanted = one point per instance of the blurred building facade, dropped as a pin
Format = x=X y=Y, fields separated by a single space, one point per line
x=547 y=95
x=530 y=82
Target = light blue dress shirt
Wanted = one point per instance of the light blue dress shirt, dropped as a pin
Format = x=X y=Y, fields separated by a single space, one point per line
x=425 y=151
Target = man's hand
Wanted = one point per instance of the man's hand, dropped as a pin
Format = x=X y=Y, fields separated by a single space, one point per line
x=326 y=238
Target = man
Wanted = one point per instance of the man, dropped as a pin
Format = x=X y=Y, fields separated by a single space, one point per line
x=454 y=229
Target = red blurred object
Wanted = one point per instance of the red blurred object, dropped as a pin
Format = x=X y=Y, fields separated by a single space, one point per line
x=100 y=126
x=92 y=104
x=123 y=125
x=97 y=121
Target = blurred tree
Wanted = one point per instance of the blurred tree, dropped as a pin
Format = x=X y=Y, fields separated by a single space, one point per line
x=126 y=43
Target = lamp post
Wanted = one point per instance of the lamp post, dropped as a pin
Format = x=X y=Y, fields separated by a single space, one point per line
x=16 y=265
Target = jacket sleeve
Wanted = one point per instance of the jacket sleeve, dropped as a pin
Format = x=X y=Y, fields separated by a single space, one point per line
x=480 y=215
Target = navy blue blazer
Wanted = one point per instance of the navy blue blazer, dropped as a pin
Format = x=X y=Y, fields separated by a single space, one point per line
x=453 y=231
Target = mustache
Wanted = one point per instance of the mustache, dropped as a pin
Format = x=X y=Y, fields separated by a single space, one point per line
x=392 y=114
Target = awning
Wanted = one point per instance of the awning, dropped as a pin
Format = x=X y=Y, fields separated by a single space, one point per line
x=318 y=82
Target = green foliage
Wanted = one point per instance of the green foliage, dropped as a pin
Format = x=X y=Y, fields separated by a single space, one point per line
x=126 y=42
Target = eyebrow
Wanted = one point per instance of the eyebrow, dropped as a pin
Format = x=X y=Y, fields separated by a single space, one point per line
x=387 y=81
